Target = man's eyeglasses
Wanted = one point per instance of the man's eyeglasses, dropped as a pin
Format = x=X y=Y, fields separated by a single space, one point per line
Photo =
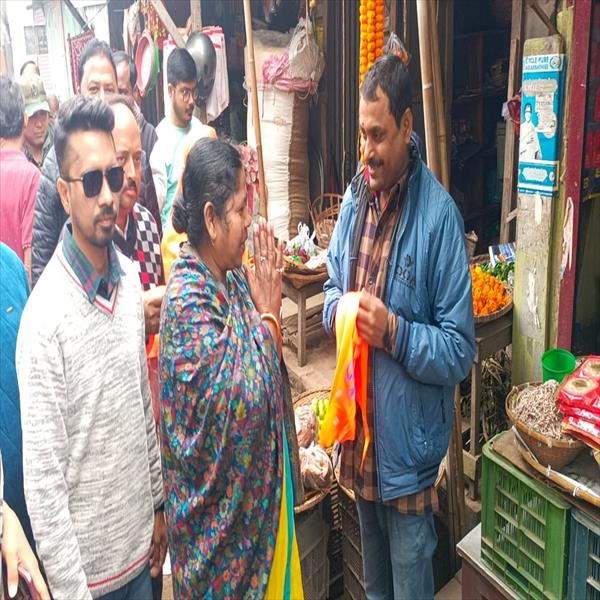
x=187 y=93
x=92 y=180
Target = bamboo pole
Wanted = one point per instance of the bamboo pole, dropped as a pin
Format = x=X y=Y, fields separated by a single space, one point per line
x=426 y=79
x=262 y=190
x=438 y=94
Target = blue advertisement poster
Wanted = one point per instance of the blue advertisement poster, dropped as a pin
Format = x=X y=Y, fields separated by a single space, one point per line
x=540 y=125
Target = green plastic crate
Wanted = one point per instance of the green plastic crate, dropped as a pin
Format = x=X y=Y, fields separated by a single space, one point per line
x=524 y=529
x=584 y=557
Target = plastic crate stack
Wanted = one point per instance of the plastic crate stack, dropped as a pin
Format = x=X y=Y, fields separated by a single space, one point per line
x=524 y=529
x=312 y=533
x=354 y=587
x=333 y=516
x=584 y=558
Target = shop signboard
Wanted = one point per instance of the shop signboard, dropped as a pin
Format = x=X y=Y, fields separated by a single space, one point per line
x=540 y=123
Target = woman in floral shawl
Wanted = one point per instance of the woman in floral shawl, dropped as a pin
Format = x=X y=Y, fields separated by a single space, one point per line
x=229 y=503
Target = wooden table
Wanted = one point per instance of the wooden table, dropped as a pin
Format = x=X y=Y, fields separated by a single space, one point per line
x=489 y=339
x=300 y=296
x=478 y=581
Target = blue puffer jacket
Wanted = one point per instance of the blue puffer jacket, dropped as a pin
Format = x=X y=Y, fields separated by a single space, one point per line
x=14 y=290
x=429 y=287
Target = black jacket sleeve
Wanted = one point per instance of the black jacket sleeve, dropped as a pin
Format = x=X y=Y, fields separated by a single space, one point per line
x=48 y=217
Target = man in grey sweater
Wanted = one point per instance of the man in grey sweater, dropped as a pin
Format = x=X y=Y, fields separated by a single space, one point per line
x=91 y=461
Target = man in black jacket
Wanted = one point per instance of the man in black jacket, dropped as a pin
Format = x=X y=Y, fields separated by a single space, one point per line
x=97 y=76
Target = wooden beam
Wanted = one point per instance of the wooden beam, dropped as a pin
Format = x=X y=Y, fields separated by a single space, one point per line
x=262 y=189
x=574 y=159
x=429 y=111
x=76 y=15
x=535 y=7
x=438 y=93
x=511 y=143
x=168 y=23
x=196 y=14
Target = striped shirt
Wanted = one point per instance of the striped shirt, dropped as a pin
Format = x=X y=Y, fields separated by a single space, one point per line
x=371 y=273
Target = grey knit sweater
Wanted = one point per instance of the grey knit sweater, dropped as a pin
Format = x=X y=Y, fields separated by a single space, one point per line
x=91 y=460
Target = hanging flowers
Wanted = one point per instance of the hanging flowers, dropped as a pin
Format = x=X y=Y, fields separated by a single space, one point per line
x=371 y=33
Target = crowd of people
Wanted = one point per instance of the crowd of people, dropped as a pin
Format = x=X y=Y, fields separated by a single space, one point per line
x=145 y=403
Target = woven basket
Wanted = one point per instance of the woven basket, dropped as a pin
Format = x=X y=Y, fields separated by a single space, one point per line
x=324 y=211
x=299 y=281
x=313 y=497
x=290 y=266
x=549 y=451
x=495 y=315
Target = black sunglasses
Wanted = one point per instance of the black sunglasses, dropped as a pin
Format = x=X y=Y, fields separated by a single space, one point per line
x=92 y=180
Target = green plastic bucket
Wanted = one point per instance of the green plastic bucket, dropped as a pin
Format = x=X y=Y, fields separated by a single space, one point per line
x=556 y=363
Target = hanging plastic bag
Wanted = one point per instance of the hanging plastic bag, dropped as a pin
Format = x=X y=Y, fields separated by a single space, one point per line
x=395 y=46
x=306 y=58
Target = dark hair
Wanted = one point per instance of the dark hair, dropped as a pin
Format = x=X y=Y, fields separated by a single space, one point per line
x=120 y=57
x=94 y=48
x=389 y=74
x=180 y=66
x=528 y=105
x=211 y=175
x=29 y=62
x=80 y=113
x=12 y=109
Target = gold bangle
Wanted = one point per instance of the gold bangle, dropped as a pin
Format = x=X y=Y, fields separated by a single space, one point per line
x=271 y=317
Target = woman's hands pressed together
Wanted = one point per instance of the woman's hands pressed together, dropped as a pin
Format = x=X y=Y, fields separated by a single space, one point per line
x=265 y=279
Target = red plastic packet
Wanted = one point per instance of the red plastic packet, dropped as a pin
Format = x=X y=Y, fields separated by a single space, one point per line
x=584 y=430
x=581 y=389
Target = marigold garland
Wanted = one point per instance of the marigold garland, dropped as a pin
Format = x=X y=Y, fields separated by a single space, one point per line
x=489 y=295
x=371 y=33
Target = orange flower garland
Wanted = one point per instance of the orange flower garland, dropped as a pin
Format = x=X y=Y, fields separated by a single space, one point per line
x=371 y=33
x=489 y=295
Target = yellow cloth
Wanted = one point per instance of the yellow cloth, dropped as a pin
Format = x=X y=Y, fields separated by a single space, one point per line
x=285 y=578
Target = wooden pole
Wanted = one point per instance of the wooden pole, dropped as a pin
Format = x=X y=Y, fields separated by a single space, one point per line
x=406 y=25
x=196 y=25
x=196 y=15
x=255 y=116
x=427 y=82
x=438 y=94
x=166 y=20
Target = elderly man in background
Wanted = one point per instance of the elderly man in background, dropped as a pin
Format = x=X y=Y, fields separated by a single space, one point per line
x=136 y=231
x=38 y=135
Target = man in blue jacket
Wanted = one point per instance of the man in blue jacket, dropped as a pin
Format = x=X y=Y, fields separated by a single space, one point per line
x=400 y=240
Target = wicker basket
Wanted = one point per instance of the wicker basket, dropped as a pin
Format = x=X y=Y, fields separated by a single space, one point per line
x=495 y=315
x=324 y=212
x=313 y=497
x=549 y=451
x=290 y=266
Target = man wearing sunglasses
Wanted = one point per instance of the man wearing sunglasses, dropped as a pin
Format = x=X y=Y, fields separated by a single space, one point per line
x=97 y=78
x=177 y=131
x=91 y=461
